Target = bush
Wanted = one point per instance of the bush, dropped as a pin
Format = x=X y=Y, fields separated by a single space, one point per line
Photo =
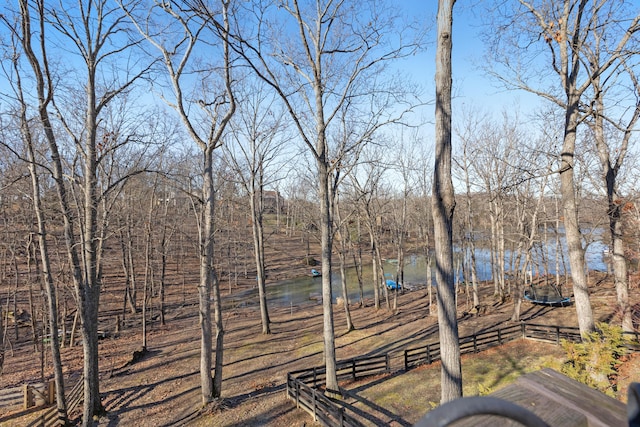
x=594 y=361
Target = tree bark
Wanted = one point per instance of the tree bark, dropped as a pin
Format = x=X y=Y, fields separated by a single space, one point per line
x=206 y=272
x=571 y=225
x=326 y=230
x=52 y=307
x=442 y=210
x=255 y=202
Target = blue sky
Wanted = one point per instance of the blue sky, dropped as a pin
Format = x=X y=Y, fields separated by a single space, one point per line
x=471 y=86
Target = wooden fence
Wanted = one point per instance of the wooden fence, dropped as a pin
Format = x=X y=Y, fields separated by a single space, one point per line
x=303 y=388
x=303 y=385
x=323 y=409
x=49 y=417
x=481 y=341
x=468 y=344
x=28 y=395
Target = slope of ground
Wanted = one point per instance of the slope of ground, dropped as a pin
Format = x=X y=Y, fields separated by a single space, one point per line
x=162 y=389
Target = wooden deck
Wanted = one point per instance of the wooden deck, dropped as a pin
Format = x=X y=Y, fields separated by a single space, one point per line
x=557 y=400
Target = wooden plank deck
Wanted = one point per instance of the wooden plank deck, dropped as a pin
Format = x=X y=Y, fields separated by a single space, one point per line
x=557 y=400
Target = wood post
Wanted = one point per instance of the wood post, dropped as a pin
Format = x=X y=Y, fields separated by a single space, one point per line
x=313 y=394
x=51 y=392
x=28 y=396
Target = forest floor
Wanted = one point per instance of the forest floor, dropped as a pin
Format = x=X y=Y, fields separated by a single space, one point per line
x=162 y=388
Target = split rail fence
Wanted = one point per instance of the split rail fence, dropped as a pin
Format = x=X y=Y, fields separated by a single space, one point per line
x=49 y=418
x=306 y=386
x=35 y=395
x=474 y=343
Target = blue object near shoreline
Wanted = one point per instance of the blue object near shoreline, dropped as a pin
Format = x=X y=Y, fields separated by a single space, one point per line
x=391 y=284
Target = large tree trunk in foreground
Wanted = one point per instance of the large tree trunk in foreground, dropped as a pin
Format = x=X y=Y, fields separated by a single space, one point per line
x=442 y=211
x=571 y=226
x=326 y=229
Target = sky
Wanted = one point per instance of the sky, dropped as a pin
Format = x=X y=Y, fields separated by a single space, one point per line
x=472 y=87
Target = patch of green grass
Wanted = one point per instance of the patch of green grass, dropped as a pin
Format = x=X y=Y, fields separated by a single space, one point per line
x=309 y=343
x=412 y=394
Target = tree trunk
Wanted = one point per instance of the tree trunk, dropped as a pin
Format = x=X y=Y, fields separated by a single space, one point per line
x=442 y=211
x=343 y=281
x=1 y=340
x=343 y=253
x=206 y=272
x=326 y=230
x=258 y=249
x=132 y=289
x=571 y=225
x=383 y=280
x=357 y=261
x=61 y=401
x=616 y=206
x=217 y=319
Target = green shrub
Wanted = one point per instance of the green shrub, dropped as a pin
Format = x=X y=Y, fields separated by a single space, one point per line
x=594 y=361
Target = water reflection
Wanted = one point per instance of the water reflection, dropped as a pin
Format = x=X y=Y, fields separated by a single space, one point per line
x=307 y=289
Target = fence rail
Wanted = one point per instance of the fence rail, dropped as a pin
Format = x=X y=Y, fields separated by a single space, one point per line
x=50 y=417
x=13 y=396
x=549 y=333
x=351 y=368
x=323 y=409
x=474 y=343
x=302 y=386
x=27 y=395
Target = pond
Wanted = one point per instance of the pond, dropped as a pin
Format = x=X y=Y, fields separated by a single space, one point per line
x=306 y=289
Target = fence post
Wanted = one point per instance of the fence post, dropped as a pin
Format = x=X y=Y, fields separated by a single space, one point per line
x=557 y=335
x=499 y=337
x=288 y=383
x=315 y=377
x=313 y=397
x=353 y=369
x=406 y=360
x=475 y=343
x=387 y=363
x=428 y=354
x=51 y=392
x=523 y=326
x=28 y=397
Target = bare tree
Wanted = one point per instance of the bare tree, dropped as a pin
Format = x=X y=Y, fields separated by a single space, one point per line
x=91 y=31
x=177 y=39
x=466 y=134
x=613 y=138
x=406 y=164
x=326 y=63
x=259 y=141
x=33 y=161
x=443 y=205
x=343 y=236
x=366 y=182
x=564 y=31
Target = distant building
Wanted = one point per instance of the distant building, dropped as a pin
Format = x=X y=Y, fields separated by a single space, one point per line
x=272 y=201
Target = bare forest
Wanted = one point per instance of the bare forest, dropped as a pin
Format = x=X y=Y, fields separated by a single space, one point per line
x=199 y=196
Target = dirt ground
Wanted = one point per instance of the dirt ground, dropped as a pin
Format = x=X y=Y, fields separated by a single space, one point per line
x=162 y=389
